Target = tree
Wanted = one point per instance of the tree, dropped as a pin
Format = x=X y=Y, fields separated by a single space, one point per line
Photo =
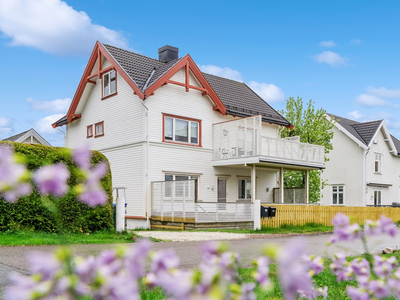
x=312 y=127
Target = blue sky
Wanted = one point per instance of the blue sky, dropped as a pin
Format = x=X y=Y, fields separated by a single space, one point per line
x=344 y=55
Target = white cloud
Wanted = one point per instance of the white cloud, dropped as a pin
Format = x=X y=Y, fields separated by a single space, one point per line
x=355 y=115
x=328 y=44
x=53 y=26
x=223 y=72
x=44 y=125
x=355 y=41
x=5 y=122
x=383 y=92
x=53 y=106
x=371 y=100
x=269 y=92
x=331 y=58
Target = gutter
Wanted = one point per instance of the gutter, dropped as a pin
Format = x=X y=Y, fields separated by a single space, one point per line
x=364 y=187
x=146 y=164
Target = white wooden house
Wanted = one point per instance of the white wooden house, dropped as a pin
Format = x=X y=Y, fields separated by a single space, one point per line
x=162 y=120
x=364 y=165
x=30 y=136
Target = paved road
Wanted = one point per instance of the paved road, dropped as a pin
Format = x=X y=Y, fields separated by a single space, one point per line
x=14 y=258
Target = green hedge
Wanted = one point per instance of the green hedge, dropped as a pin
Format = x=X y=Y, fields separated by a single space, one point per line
x=29 y=213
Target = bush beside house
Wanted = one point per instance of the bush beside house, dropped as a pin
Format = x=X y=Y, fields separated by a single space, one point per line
x=30 y=213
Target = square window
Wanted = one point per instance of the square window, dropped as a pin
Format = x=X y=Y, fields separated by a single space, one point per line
x=338 y=194
x=89 y=131
x=99 y=129
x=181 y=130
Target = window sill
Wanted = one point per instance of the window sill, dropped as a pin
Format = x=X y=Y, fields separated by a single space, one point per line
x=99 y=135
x=378 y=173
x=89 y=136
x=184 y=144
x=109 y=96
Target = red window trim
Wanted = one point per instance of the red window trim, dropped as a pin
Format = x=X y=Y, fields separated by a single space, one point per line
x=95 y=129
x=87 y=131
x=102 y=87
x=182 y=118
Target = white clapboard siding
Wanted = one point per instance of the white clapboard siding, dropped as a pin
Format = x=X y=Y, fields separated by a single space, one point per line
x=127 y=171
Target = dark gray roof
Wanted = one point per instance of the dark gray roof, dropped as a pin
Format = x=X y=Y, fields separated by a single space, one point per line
x=237 y=97
x=15 y=137
x=240 y=100
x=364 y=132
x=396 y=143
x=62 y=121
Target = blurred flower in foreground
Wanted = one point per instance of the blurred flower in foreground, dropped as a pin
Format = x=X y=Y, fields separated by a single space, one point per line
x=13 y=176
x=52 y=179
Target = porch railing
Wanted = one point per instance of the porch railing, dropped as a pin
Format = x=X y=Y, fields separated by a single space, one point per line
x=177 y=201
x=243 y=138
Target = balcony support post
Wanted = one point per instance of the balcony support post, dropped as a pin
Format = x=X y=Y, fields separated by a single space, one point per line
x=253 y=183
x=281 y=191
x=307 y=186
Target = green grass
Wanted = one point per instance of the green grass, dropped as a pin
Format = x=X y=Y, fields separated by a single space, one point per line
x=30 y=238
x=283 y=229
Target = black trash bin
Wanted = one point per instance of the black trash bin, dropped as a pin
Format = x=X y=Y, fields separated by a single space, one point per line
x=272 y=212
x=264 y=211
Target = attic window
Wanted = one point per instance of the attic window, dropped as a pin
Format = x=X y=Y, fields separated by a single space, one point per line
x=109 y=83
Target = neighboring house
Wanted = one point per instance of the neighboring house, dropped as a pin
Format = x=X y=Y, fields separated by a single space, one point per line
x=364 y=165
x=162 y=120
x=28 y=137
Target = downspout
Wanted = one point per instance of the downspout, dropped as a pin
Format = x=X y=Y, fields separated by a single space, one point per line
x=146 y=164
x=65 y=137
x=364 y=190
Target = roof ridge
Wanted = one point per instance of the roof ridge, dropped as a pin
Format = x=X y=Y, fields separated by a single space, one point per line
x=155 y=59
x=339 y=117
x=362 y=123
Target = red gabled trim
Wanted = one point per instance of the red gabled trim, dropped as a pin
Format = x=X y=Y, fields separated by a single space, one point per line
x=96 y=55
x=188 y=62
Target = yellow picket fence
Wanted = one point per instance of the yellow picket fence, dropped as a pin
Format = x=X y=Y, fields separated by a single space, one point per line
x=302 y=214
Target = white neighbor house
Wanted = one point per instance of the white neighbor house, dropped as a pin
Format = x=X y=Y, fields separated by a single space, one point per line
x=28 y=137
x=162 y=120
x=364 y=165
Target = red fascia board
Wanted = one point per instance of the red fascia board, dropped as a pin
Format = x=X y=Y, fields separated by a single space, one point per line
x=187 y=60
x=96 y=53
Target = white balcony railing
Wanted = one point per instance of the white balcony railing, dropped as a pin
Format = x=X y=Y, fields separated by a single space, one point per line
x=177 y=201
x=243 y=138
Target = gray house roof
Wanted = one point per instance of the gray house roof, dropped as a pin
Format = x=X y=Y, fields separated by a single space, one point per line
x=20 y=137
x=364 y=132
x=237 y=97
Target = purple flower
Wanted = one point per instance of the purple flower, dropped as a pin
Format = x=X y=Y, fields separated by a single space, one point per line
x=136 y=257
x=360 y=266
x=357 y=294
x=315 y=263
x=247 y=291
x=82 y=156
x=13 y=176
x=44 y=264
x=343 y=231
x=164 y=260
x=91 y=191
x=52 y=179
x=378 y=288
x=384 y=266
x=293 y=273
x=384 y=225
x=261 y=276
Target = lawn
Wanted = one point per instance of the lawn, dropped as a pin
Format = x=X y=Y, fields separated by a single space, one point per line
x=30 y=238
x=336 y=290
x=283 y=229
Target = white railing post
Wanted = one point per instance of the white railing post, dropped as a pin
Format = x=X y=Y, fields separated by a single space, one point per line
x=172 y=202
x=257 y=214
x=236 y=211
x=162 y=198
x=183 y=202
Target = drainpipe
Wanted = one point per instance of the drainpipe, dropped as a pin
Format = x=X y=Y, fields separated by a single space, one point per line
x=364 y=189
x=146 y=165
x=65 y=136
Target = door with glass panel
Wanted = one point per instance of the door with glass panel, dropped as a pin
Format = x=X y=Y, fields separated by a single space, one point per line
x=377 y=197
x=222 y=193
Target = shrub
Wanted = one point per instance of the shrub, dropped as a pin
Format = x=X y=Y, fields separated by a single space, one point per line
x=29 y=213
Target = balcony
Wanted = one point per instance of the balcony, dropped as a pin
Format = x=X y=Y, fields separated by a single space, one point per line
x=241 y=141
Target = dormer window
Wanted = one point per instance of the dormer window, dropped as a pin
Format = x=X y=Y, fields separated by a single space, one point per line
x=109 y=83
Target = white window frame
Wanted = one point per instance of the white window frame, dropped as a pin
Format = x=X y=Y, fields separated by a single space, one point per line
x=189 y=130
x=378 y=158
x=109 y=83
x=190 y=177
x=247 y=179
x=337 y=193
